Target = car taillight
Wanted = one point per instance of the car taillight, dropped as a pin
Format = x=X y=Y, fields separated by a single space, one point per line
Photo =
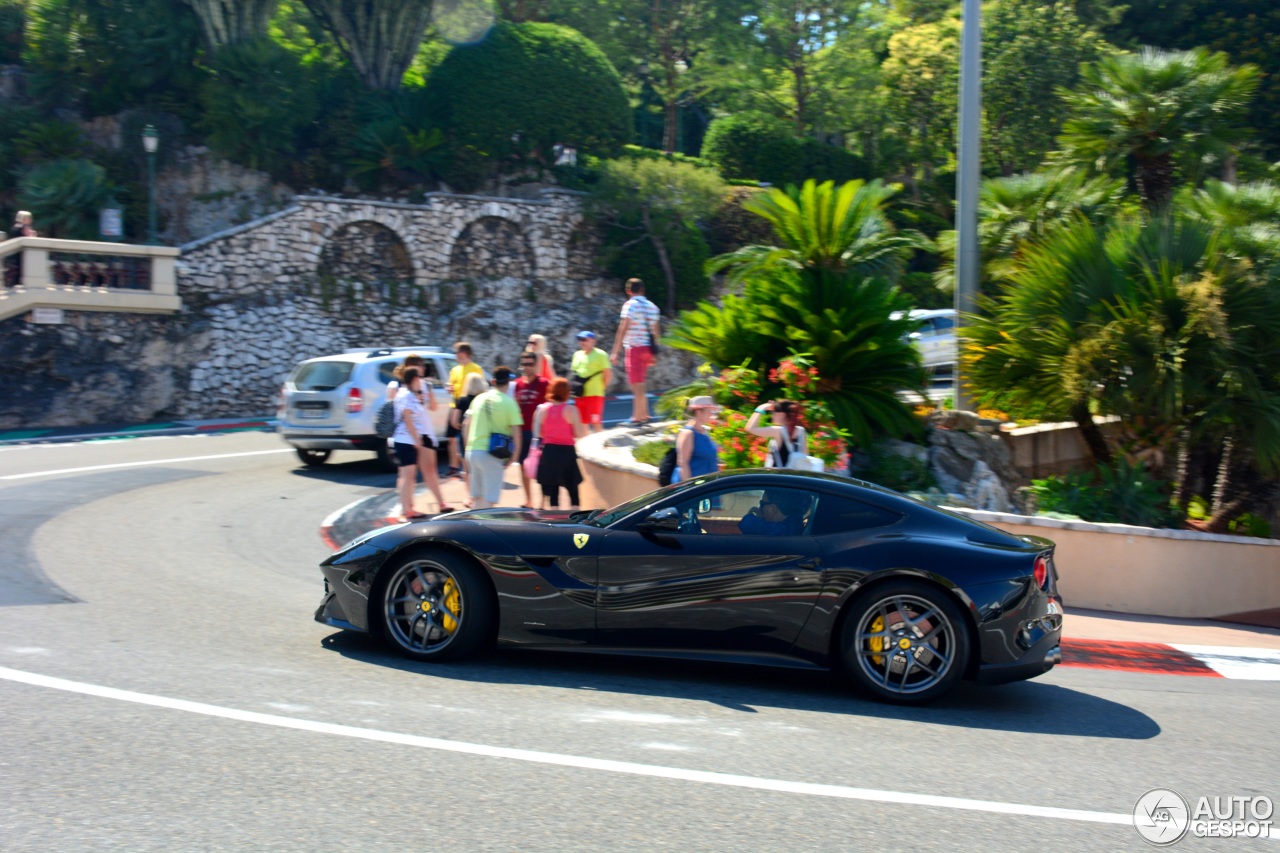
x=281 y=403
x=355 y=402
x=1042 y=572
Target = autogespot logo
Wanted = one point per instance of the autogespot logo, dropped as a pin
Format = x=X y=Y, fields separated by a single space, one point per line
x=1163 y=817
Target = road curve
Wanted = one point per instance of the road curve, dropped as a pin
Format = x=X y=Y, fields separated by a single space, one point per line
x=167 y=689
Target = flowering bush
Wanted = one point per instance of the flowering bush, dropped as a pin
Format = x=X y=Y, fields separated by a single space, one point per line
x=740 y=389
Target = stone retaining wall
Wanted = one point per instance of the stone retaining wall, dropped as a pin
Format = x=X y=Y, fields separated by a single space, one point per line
x=321 y=276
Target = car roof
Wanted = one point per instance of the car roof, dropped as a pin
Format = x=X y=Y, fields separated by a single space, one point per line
x=886 y=498
x=925 y=313
x=362 y=354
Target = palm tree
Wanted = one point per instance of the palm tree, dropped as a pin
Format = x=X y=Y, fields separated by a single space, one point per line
x=1247 y=217
x=825 y=289
x=820 y=226
x=1016 y=209
x=845 y=323
x=1151 y=320
x=1146 y=112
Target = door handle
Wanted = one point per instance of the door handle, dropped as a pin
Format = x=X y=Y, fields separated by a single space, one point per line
x=808 y=564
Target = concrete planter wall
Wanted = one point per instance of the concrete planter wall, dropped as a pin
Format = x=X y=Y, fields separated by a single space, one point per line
x=1116 y=567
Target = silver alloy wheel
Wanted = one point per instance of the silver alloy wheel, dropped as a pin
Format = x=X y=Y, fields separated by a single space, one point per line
x=423 y=606
x=906 y=644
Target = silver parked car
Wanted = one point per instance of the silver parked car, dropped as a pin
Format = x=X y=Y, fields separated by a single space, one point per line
x=330 y=403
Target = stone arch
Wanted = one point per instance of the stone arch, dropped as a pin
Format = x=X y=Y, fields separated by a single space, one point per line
x=368 y=253
x=491 y=247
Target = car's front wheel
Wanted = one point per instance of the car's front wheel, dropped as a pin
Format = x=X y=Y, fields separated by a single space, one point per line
x=435 y=605
x=904 y=642
x=313 y=457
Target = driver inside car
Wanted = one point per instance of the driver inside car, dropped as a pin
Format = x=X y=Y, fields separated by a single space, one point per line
x=780 y=513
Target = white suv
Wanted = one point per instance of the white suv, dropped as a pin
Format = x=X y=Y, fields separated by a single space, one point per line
x=331 y=403
x=935 y=337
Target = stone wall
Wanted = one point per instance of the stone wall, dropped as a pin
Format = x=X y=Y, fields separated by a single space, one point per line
x=321 y=276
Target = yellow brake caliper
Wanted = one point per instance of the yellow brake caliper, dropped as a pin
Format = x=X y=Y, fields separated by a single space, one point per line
x=877 y=644
x=452 y=601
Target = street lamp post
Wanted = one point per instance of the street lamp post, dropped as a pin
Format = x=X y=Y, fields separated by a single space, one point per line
x=968 y=174
x=150 y=142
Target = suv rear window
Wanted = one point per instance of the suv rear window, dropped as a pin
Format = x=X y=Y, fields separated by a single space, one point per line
x=321 y=375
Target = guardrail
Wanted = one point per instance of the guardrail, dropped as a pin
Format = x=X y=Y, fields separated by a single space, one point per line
x=84 y=275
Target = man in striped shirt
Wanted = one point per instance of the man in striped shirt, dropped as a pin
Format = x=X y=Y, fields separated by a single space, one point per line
x=638 y=331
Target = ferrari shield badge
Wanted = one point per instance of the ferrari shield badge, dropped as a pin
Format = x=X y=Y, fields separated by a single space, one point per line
x=580 y=539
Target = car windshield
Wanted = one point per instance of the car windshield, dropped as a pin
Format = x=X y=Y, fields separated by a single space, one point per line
x=321 y=375
x=604 y=518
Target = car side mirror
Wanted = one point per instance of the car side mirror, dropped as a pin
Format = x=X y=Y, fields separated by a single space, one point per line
x=663 y=519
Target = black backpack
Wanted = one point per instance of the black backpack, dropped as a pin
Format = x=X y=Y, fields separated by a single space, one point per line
x=667 y=468
x=384 y=425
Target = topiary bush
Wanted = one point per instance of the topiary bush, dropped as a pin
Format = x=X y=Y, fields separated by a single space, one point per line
x=509 y=99
x=753 y=146
x=760 y=147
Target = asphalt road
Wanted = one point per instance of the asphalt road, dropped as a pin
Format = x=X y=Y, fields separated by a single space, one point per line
x=164 y=687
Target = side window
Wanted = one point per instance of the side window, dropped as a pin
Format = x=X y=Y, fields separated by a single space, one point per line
x=843 y=515
x=430 y=370
x=386 y=371
x=928 y=328
x=945 y=324
x=751 y=512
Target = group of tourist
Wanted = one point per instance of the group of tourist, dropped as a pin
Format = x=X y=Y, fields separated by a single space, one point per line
x=535 y=418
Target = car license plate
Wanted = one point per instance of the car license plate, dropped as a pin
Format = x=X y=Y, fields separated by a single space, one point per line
x=311 y=413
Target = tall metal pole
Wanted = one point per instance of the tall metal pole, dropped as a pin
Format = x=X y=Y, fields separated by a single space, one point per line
x=151 y=198
x=968 y=174
x=150 y=142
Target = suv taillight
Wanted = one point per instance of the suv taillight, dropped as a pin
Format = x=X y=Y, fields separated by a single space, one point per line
x=355 y=402
x=281 y=403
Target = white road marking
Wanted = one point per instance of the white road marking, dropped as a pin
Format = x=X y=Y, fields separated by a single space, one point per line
x=631 y=768
x=145 y=462
x=1242 y=663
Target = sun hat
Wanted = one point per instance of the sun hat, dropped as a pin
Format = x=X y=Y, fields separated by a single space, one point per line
x=702 y=402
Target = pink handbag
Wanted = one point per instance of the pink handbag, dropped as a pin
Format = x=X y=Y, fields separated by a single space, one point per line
x=531 y=461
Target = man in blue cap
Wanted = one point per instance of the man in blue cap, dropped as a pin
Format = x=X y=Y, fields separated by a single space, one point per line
x=589 y=376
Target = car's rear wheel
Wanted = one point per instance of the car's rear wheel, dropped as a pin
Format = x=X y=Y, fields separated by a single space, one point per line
x=435 y=605
x=313 y=457
x=904 y=642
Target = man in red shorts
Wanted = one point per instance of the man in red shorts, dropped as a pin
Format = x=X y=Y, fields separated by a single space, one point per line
x=590 y=367
x=638 y=331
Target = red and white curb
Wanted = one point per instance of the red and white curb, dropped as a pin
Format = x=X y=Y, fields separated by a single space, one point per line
x=1180 y=659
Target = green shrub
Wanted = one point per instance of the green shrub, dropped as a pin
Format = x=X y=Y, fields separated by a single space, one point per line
x=732 y=226
x=255 y=105
x=760 y=147
x=675 y=156
x=688 y=252
x=651 y=452
x=65 y=196
x=882 y=466
x=508 y=100
x=1118 y=493
x=753 y=146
